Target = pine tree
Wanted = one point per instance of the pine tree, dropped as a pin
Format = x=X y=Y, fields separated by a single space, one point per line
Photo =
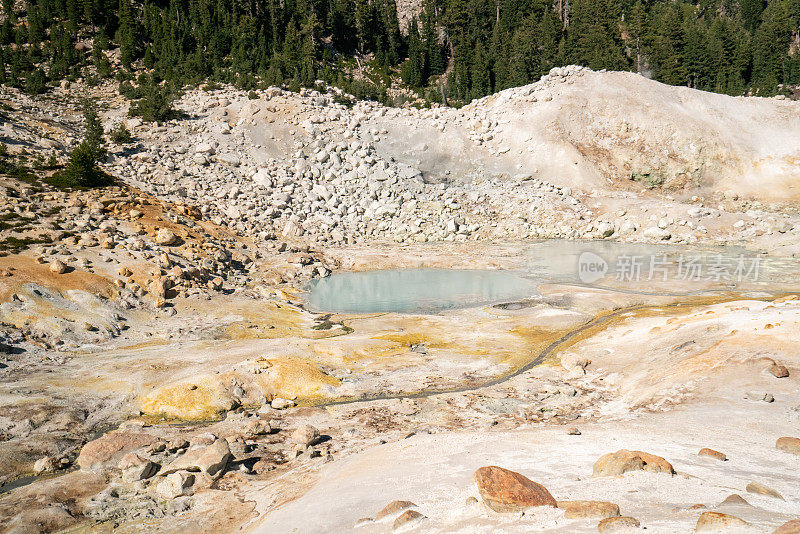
x=750 y=11
x=594 y=37
x=394 y=40
x=434 y=58
x=127 y=35
x=499 y=54
x=667 y=48
x=82 y=168
x=480 y=74
x=363 y=24
x=412 y=71
x=770 y=47
x=520 y=59
x=636 y=24
x=93 y=129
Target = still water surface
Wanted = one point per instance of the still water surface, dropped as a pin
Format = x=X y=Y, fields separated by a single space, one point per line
x=552 y=261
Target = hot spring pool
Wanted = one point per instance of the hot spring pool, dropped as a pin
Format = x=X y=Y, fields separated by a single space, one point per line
x=415 y=290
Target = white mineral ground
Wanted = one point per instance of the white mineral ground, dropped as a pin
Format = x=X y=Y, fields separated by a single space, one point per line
x=160 y=368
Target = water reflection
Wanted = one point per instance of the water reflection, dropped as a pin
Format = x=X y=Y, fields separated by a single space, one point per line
x=559 y=261
x=416 y=290
x=556 y=261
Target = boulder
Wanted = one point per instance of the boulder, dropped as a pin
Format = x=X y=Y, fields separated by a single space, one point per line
x=305 y=435
x=605 y=229
x=281 y=404
x=158 y=288
x=588 y=509
x=657 y=234
x=711 y=453
x=47 y=464
x=165 y=237
x=204 y=148
x=229 y=159
x=506 y=491
x=778 y=371
x=258 y=427
x=622 y=461
x=51 y=517
x=618 y=524
x=735 y=499
x=175 y=485
x=394 y=508
x=761 y=489
x=790 y=527
x=788 y=444
x=58 y=267
x=135 y=468
x=717 y=521
x=407 y=520
x=110 y=448
x=211 y=460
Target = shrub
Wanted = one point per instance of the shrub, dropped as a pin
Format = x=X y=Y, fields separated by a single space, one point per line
x=36 y=82
x=120 y=134
x=155 y=103
x=82 y=168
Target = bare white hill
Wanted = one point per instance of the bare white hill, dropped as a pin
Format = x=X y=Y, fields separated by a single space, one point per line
x=595 y=130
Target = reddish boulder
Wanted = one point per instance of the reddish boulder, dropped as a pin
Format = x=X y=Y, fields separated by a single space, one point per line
x=622 y=461
x=107 y=450
x=790 y=527
x=736 y=499
x=778 y=371
x=394 y=508
x=711 y=453
x=790 y=445
x=716 y=521
x=407 y=520
x=506 y=491
x=618 y=524
x=588 y=509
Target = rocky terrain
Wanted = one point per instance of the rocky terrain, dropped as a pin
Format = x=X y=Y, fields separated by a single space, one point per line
x=161 y=370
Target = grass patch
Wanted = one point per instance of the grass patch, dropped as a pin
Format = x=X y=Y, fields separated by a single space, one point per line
x=15 y=244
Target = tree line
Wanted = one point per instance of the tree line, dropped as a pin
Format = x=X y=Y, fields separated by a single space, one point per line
x=464 y=49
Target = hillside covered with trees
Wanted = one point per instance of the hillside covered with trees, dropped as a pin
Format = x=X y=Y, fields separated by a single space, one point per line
x=467 y=48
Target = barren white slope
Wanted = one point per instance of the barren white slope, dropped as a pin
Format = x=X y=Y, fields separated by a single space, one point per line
x=595 y=130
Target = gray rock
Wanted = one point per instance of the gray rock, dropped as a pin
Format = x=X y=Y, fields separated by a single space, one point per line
x=305 y=435
x=281 y=404
x=605 y=229
x=658 y=234
x=175 y=485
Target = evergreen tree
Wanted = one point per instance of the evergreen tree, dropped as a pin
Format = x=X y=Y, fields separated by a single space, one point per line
x=730 y=46
x=82 y=168
x=413 y=70
x=636 y=25
x=127 y=36
x=594 y=38
x=668 y=43
x=770 y=43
